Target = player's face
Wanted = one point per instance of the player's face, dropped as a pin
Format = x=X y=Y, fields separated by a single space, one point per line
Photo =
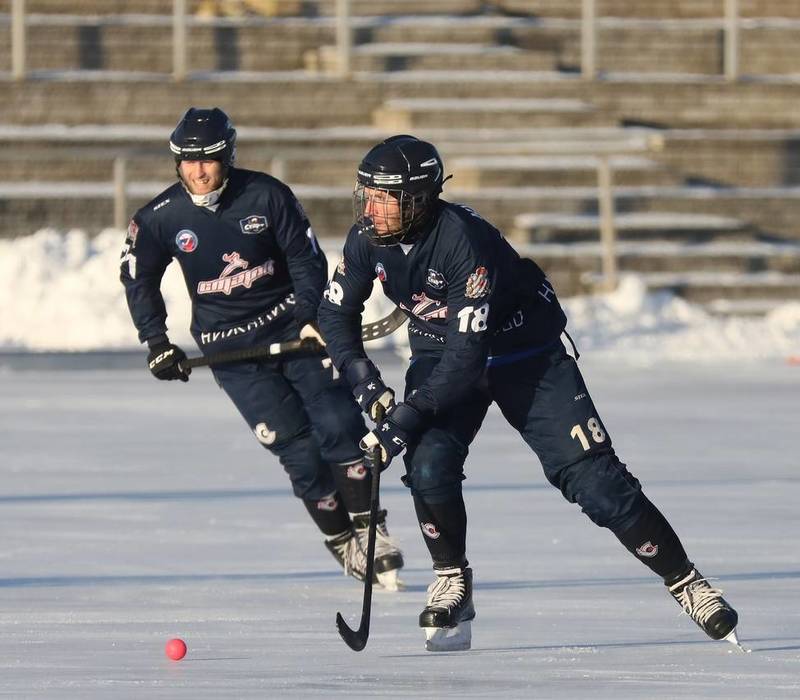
x=384 y=210
x=201 y=176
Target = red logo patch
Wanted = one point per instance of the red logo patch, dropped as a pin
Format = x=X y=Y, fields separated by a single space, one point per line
x=186 y=240
x=477 y=284
x=133 y=231
x=648 y=549
x=429 y=530
x=329 y=503
x=357 y=471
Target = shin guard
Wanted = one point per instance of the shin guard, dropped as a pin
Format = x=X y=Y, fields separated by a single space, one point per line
x=654 y=543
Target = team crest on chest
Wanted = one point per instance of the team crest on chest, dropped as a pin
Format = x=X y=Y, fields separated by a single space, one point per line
x=435 y=280
x=380 y=272
x=253 y=224
x=186 y=240
x=229 y=279
x=426 y=308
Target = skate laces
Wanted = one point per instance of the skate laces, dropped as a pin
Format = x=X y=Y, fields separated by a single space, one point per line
x=697 y=597
x=353 y=557
x=448 y=590
x=384 y=544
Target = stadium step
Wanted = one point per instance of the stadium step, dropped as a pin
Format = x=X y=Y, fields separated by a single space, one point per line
x=669 y=256
x=629 y=226
x=397 y=56
x=574 y=268
x=402 y=114
x=711 y=287
x=571 y=170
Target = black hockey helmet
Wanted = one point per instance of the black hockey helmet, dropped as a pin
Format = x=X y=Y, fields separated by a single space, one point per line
x=204 y=134
x=407 y=169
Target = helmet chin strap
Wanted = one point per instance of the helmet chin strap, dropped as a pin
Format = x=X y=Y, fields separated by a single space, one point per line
x=209 y=199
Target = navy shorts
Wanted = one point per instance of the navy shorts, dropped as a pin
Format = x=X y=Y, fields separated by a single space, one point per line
x=544 y=397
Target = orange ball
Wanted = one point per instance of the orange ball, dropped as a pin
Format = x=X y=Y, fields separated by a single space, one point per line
x=175 y=649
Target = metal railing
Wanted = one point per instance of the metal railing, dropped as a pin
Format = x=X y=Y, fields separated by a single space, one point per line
x=605 y=198
x=589 y=24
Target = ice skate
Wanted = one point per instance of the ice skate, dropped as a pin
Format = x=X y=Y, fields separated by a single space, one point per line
x=447 y=618
x=706 y=606
x=388 y=557
x=346 y=549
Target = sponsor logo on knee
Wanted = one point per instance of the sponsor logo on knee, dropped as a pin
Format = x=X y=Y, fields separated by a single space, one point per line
x=429 y=530
x=328 y=503
x=264 y=435
x=357 y=471
x=648 y=549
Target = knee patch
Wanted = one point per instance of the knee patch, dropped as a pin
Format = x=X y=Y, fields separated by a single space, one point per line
x=338 y=431
x=435 y=468
x=604 y=489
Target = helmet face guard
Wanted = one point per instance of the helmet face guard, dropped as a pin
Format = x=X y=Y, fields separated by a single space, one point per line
x=388 y=216
x=397 y=186
x=204 y=134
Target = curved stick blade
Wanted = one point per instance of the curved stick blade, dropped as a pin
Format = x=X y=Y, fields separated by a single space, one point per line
x=353 y=638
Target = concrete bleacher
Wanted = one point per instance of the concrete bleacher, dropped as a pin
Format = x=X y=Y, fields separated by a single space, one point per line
x=700 y=165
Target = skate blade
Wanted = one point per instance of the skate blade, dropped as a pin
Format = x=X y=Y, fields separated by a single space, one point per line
x=458 y=638
x=390 y=581
x=733 y=639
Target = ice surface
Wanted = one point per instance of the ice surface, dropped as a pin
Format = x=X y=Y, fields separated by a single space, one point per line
x=134 y=511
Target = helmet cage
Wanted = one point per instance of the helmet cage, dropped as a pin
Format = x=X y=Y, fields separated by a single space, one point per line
x=389 y=230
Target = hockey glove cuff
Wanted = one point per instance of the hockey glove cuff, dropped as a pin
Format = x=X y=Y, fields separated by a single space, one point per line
x=311 y=331
x=368 y=388
x=402 y=422
x=165 y=361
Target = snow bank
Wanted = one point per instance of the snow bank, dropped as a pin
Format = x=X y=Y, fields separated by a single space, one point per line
x=63 y=293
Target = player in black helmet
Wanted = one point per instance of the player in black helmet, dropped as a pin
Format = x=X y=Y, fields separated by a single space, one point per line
x=387 y=171
x=485 y=325
x=255 y=275
x=204 y=134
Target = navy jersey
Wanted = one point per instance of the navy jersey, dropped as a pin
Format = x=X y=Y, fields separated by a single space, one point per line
x=468 y=294
x=250 y=266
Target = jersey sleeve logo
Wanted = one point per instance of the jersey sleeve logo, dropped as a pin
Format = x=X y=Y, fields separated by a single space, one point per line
x=186 y=240
x=477 y=284
x=133 y=231
x=334 y=293
x=128 y=255
x=253 y=224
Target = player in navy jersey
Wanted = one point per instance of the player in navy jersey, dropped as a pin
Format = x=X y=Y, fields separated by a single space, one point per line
x=485 y=325
x=255 y=275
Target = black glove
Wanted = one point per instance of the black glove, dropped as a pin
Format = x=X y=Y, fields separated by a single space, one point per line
x=165 y=360
x=368 y=387
x=402 y=422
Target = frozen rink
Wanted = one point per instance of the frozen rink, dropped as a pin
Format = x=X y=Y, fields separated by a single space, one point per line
x=132 y=511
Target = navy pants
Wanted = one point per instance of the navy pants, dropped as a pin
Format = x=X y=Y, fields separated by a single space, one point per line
x=299 y=413
x=545 y=399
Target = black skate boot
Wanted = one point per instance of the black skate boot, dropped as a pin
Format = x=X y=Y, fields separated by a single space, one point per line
x=447 y=618
x=706 y=606
x=388 y=557
x=347 y=551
